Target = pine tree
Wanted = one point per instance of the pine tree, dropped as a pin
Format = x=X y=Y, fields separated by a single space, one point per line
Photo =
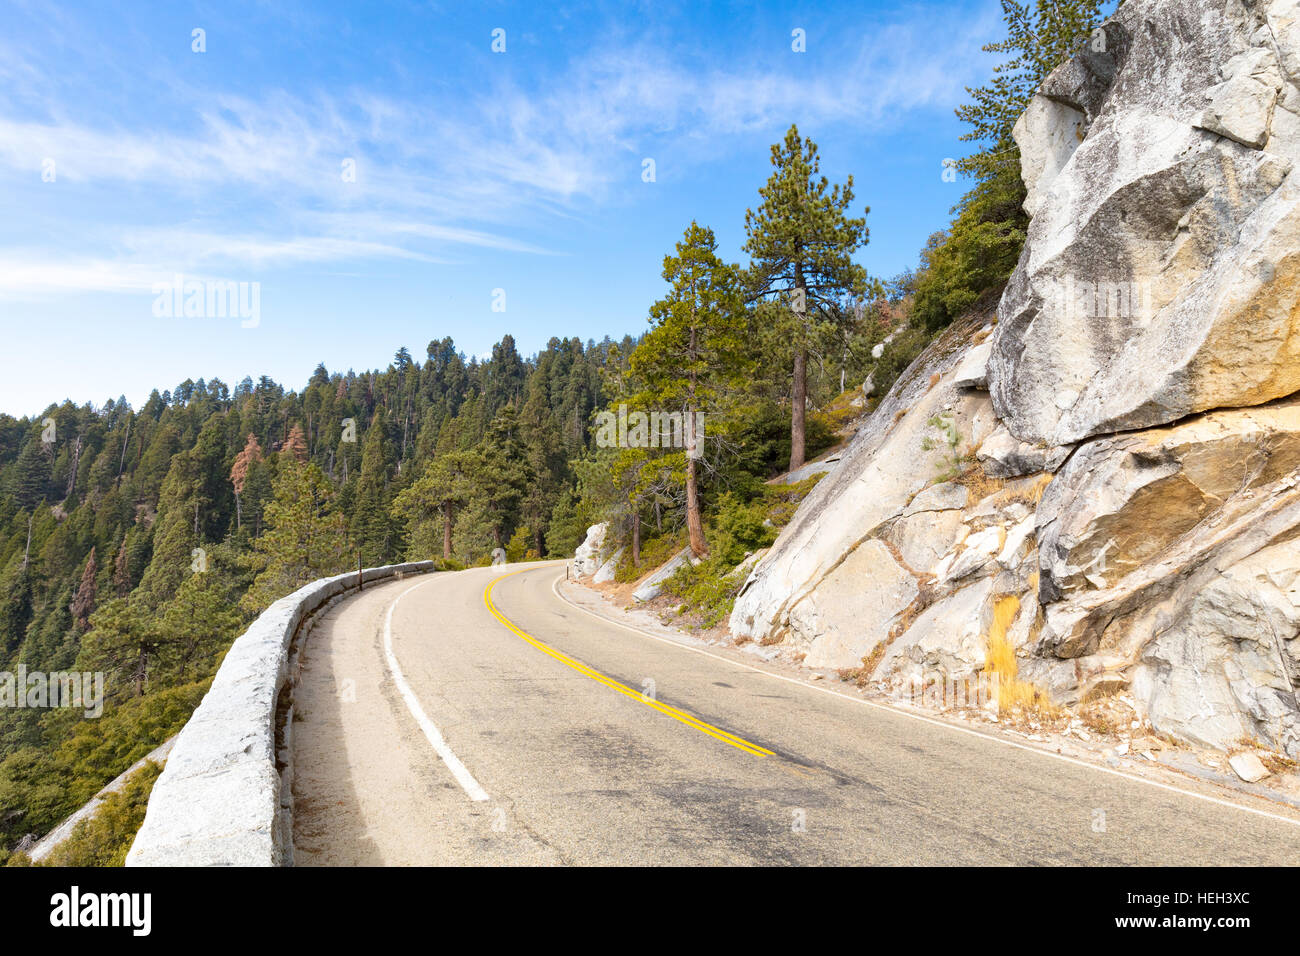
x=498 y=474
x=693 y=355
x=801 y=241
x=200 y=622
x=305 y=537
x=295 y=443
x=83 y=604
x=544 y=449
x=174 y=537
x=244 y=461
x=32 y=474
x=434 y=496
x=191 y=511
x=372 y=525
x=505 y=375
x=122 y=641
x=15 y=603
x=565 y=529
x=121 y=572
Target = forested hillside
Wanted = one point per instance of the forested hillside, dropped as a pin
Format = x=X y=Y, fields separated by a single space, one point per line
x=139 y=542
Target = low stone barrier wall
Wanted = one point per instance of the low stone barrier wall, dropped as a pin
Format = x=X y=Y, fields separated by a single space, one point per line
x=224 y=798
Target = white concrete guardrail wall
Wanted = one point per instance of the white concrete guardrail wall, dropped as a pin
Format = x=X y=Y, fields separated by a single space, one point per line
x=224 y=797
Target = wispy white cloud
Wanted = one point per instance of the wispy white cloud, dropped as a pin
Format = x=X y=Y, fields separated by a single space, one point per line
x=159 y=256
x=435 y=180
x=261 y=252
x=30 y=277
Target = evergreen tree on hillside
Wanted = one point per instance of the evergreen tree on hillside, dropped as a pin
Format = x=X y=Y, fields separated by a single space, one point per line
x=32 y=474
x=505 y=375
x=123 y=640
x=305 y=537
x=693 y=356
x=1041 y=35
x=499 y=475
x=83 y=605
x=802 y=240
x=199 y=623
x=547 y=463
x=191 y=513
x=244 y=461
x=121 y=572
x=433 y=497
x=373 y=528
x=565 y=528
x=15 y=603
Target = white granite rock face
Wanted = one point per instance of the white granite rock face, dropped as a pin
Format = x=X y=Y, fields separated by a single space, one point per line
x=649 y=588
x=948 y=637
x=1048 y=134
x=853 y=608
x=973 y=372
x=591 y=553
x=892 y=462
x=220 y=799
x=1167 y=559
x=1005 y=456
x=1161 y=275
x=605 y=573
x=888 y=562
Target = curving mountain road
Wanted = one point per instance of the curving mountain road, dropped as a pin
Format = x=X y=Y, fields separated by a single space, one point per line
x=435 y=725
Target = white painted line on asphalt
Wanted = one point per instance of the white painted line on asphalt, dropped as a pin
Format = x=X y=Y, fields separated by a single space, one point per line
x=555 y=587
x=463 y=776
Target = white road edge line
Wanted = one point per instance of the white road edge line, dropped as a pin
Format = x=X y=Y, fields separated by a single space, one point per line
x=555 y=586
x=463 y=776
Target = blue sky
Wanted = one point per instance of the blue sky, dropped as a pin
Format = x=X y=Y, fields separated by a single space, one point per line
x=474 y=170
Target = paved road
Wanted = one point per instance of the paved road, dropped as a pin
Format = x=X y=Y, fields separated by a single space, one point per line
x=721 y=765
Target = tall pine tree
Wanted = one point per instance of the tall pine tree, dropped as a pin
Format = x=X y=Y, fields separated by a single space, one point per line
x=373 y=528
x=801 y=241
x=693 y=355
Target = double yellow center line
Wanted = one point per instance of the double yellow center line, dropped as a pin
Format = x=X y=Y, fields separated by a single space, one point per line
x=738 y=742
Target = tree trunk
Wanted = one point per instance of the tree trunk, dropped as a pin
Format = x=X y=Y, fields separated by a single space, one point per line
x=636 y=537
x=406 y=421
x=76 y=463
x=122 y=463
x=446 y=529
x=799 y=388
x=694 y=525
x=141 y=669
x=798 y=407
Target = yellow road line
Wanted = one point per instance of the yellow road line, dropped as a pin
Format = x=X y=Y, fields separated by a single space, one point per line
x=738 y=742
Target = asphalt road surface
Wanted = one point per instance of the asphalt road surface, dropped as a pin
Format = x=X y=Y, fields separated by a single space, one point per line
x=437 y=725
